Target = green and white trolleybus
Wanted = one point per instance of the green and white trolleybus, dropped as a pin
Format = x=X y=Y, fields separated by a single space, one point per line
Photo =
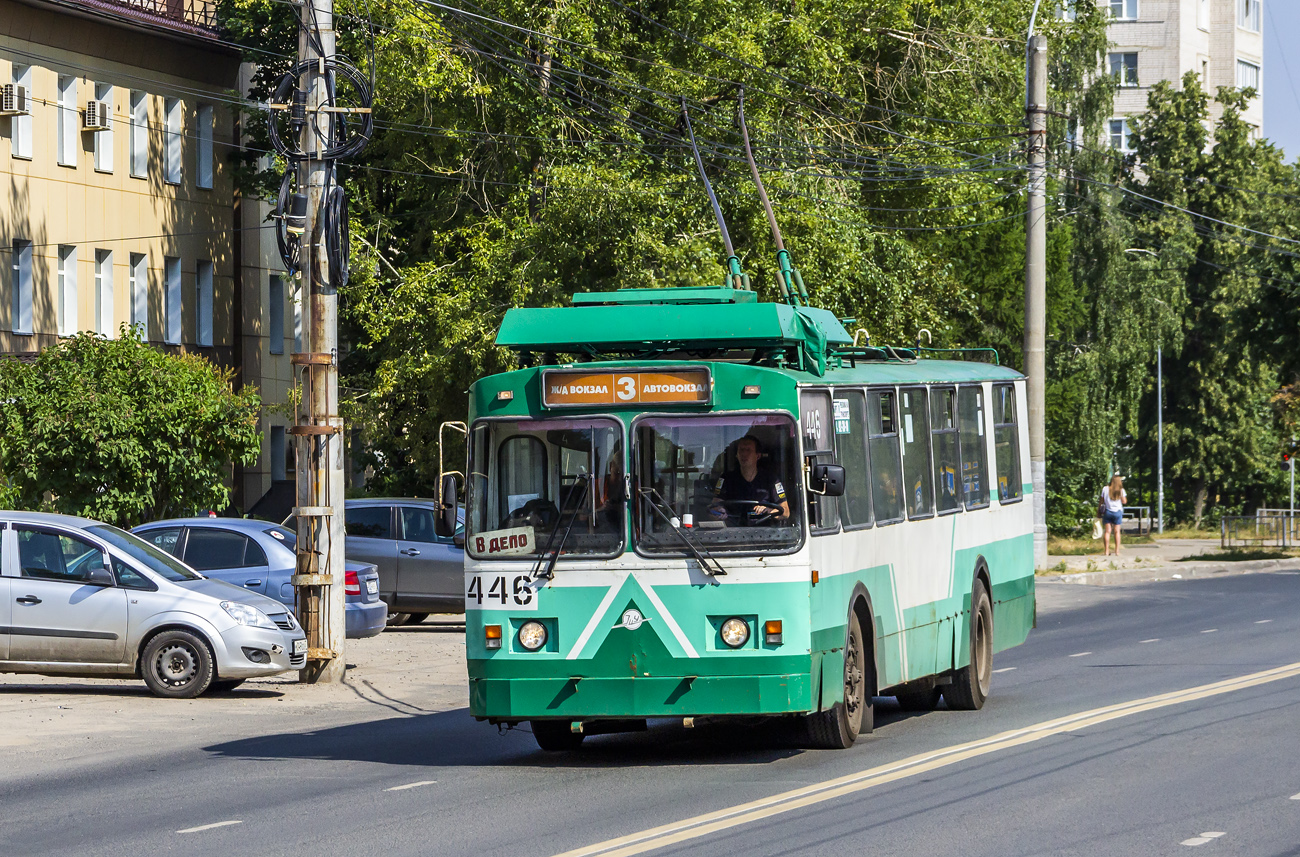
x=692 y=504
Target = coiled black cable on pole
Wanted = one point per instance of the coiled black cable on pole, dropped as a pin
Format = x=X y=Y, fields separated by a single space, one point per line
x=347 y=137
x=285 y=240
x=334 y=222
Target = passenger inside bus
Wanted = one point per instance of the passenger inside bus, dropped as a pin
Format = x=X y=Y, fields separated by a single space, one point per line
x=751 y=494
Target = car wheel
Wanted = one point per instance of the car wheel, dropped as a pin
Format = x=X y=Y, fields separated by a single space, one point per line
x=225 y=685
x=555 y=736
x=177 y=665
x=416 y=618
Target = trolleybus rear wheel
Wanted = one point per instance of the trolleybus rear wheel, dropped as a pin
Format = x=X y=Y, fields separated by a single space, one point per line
x=837 y=727
x=555 y=736
x=971 y=684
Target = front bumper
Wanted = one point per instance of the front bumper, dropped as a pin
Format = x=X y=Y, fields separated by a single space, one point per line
x=365 y=620
x=233 y=663
x=626 y=697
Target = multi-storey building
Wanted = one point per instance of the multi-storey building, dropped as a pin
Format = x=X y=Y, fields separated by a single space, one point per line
x=120 y=205
x=1155 y=40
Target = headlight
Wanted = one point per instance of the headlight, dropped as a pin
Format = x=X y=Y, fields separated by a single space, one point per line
x=735 y=632
x=246 y=615
x=532 y=636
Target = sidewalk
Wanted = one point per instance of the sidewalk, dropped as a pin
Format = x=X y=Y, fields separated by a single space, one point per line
x=1158 y=560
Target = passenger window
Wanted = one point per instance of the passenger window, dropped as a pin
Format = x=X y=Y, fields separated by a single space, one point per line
x=915 y=434
x=974 y=464
x=369 y=522
x=522 y=473
x=208 y=549
x=168 y=540
x=882 y=424
x=851 y=447
x=947 y=459
x=129 y=578
x=1006 y=442
x=818 y=446
x=417 y=524
x=55 y=556
x=254 y=555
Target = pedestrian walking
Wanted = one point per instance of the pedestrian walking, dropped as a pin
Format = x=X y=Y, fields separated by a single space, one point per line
x=1110 y=508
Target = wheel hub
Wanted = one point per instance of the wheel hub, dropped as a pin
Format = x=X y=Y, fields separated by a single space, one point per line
x=177 y=665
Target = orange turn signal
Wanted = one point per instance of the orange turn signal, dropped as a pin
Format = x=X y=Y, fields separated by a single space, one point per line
x=492 y=636
x=772 y=632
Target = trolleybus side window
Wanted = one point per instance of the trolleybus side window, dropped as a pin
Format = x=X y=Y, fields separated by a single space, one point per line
x=886 y=470
x=947 y=458
x=851 y=449
x=1006 y=442
x=817 y=421
x=914 y=430
x=974 y=465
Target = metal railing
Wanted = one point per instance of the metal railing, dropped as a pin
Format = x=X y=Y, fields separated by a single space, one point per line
x=1141 y=515
x=196 y=13
x=1264 y=529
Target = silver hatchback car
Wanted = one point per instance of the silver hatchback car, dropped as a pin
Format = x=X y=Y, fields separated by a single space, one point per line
x=82 y=598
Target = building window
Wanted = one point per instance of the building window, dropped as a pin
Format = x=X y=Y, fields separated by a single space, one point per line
x=1124 y=10
x=1203 y=14
x=22 y=287
x=20 y=127
x=203 y=278
x=139 y=134
x=67 y=290
x=172 y=300
x=173 y=150
x=1067 y=10
x=204 y=135
x=276 y=308
x=1248 y=14
x=1121 y=137
x=67 y=130
x=279 y=460
x=104 y=292
x=1124 y=68
x=104 y=139
x=140 y=293
x=1247 y=76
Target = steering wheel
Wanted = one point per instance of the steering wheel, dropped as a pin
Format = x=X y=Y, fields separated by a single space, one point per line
x=748 y=514
x=538 y=513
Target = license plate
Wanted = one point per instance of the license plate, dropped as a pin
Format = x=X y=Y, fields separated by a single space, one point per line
x=300 y=647
x=372 y=587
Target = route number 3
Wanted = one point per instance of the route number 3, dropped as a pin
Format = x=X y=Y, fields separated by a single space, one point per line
x=625 y=388
x=500 y=590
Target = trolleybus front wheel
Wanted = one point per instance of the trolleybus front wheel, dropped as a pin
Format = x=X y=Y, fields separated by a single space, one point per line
x=971 y=684
x=555 y=736
x=837 y=727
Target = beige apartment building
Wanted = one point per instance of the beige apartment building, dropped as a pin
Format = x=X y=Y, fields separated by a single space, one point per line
x=1155 y=40
x=120 y=206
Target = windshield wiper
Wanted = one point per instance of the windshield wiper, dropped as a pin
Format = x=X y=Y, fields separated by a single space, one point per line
x=702 y=556
x=549 y=571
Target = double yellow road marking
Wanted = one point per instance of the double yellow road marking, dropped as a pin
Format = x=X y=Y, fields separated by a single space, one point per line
x=703 y=825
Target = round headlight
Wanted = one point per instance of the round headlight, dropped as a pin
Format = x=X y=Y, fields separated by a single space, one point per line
x=735 y=632
x=532 y=636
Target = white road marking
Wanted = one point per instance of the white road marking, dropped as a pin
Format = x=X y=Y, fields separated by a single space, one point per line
x=1152 y=640
x=1080 y=654
x=1194 y=841
x=1004 y=670
x=202 y=827
x=1214 y=834
x=1263 y=621
x=1295 y=797
x=1209 y=631
x=411 y=786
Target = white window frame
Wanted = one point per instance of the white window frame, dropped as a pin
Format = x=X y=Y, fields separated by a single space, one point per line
x=173 y=150
x=104 y=139
x=1128 y=10
x=139 y=134
x=104 y=292
x=1120 y=68
x=275 y=313
x=203 y=302
x=1203 y=15
x=67 y=289
x=1126 y=134
x=204 y=174
x=20 y=127
x=172 y=321
x=21 y=282
x=68 y=114
x=1248 y=15
x=140 y=292
x=1247 y=70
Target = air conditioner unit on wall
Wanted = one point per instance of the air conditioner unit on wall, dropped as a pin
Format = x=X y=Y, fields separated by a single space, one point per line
x=14 y=100
x=98 y=114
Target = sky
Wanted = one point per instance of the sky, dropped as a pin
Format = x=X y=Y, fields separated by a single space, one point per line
x=1282 y=75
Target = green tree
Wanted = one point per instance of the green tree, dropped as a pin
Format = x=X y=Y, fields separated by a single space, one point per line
x=117 y=430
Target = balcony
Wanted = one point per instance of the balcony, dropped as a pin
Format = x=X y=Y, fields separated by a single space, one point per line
x=197 y=17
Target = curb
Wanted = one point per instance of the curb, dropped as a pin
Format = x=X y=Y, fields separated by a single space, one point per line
x=1178 y=571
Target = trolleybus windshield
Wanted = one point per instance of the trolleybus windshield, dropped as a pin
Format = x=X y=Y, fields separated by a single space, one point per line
x=536 y=486
x=729 y=478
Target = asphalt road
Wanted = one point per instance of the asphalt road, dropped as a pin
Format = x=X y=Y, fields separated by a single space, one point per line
x=1201 y=764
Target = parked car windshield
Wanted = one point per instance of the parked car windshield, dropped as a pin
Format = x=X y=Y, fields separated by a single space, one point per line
x=159 y=562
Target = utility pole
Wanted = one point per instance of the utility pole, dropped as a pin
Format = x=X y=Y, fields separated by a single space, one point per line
x=1160 y=440
x=1036 y=286
x=319 y=429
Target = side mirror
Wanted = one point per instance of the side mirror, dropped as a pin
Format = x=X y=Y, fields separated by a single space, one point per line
x=100 y=576
x=446 y=522
x=827 y=479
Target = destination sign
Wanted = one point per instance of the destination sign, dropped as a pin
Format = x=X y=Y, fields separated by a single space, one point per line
x=564 y=388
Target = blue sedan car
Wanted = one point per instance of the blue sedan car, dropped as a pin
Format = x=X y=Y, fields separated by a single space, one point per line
x=258 y=555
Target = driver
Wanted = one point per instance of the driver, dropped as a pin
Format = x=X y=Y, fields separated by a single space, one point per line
x=758 y=496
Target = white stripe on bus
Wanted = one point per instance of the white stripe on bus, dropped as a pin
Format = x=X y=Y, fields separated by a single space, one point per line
x=596 y=616
x=669 y=620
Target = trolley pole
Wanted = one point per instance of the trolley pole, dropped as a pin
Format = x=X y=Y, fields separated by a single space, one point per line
x=319 y=429
x=1036 y=287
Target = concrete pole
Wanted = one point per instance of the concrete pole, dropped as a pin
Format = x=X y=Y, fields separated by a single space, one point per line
x=320 y=479
x=1036 y=288
x=1160 y=440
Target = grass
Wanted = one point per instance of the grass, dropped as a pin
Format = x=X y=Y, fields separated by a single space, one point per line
x=1237 y=555
x=1082 y=547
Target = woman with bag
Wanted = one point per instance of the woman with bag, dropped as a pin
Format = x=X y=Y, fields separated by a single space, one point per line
x=1110 y=508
